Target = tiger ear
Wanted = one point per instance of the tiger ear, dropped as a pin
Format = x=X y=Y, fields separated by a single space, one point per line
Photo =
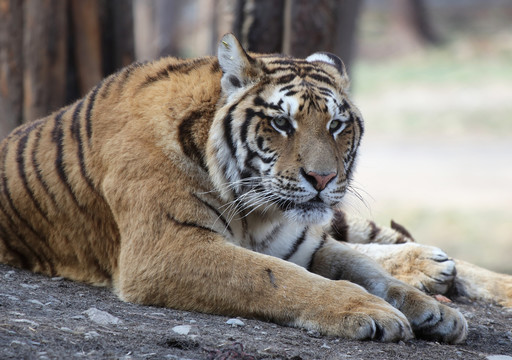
x=237 y=67
x=330 y=59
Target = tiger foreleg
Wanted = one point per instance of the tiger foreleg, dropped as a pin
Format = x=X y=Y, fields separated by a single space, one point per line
x=197 y=270
x=428 y=318
x=174 y=255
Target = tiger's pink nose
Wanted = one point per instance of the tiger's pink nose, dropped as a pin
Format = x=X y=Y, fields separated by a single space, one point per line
x=319 y=181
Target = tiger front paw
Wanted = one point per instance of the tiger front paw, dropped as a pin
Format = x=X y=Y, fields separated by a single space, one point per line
x=429 y=319
x=365 y=317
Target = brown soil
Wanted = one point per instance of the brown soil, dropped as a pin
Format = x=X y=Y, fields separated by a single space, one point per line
x=43 y=318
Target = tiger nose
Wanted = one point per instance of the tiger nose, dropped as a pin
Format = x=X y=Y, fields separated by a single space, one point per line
x=319 y=181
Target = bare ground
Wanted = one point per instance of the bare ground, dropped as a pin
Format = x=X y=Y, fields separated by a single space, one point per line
x=43 y=318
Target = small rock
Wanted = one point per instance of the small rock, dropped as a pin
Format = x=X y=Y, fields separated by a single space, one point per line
x=182 y=329
x=325 y=346
x=57 y=278
x=91 y=335
x=102 y=317
x=29 y=286
x=498 y=357
x=66 y=329
x=17 y=342
x=235 y=322
x=36 y=302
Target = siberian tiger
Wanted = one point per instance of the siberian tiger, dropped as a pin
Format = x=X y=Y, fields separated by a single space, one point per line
x=208 y=185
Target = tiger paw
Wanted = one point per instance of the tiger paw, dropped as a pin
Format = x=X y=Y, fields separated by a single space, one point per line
x=369 y=321
x=425 y=267
x=431 y=270
x=428 y=318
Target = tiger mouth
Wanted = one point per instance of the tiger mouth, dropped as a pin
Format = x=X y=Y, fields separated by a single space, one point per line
x=313 y=204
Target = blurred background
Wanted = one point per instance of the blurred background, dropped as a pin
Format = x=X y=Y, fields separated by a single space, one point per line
x=432 y=78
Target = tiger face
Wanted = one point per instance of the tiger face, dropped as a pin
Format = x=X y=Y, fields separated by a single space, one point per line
x=285 y=137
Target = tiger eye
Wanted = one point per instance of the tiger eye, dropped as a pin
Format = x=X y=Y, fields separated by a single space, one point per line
x=280 y=122
x=334 y=125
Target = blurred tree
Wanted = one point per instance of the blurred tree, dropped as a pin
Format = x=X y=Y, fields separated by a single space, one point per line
x=157 y=28
x=298 y=27
x=11 y=67
x=412 y=23
x=259 y=25
x=48 y=58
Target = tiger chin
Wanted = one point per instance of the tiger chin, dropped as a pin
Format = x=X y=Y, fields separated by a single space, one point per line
x=206 y=185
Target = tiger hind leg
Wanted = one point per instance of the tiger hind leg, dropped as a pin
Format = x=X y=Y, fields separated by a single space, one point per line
x=477 y=283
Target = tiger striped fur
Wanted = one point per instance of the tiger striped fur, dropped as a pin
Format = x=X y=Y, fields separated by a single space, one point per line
x=205 y=185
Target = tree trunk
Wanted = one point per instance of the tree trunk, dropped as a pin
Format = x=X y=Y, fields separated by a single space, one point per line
x=11 y=62
x=119 y=24
x=320 y=25
x=87 y=43
x=44 y=57
x=259 y=25
x=346 y=28
x=298 y=27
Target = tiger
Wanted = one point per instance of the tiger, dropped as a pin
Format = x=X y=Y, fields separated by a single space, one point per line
x=213 y=185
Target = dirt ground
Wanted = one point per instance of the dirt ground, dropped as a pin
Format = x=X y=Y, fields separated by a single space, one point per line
x=43 y=318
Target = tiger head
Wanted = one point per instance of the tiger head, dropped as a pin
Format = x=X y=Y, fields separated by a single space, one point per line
x=285 y=135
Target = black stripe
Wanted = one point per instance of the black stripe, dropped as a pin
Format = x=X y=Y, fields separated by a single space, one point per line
x=187 y=139
x=88 y=114
x=374 y=231
x=25 y=264
x=58 y=139
x=319 y=246
x=296 y=244
x=15 y=232
x=285 y=79
x=258 y=101
x=217 y=213
x=188 y=224
x=228 y=132
x=108 y=83
x=20 y=159
x=7 y=194
x=271 y=236
x=321 y=78
x=77 y=135
x=284 y=61
x=37 y=168
x=215 y=67
x=287 y=87
x=27 y=128
x=183 y=67
x=339 y=226
x=291 y=93
x=124 y=74
x=249 y=115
